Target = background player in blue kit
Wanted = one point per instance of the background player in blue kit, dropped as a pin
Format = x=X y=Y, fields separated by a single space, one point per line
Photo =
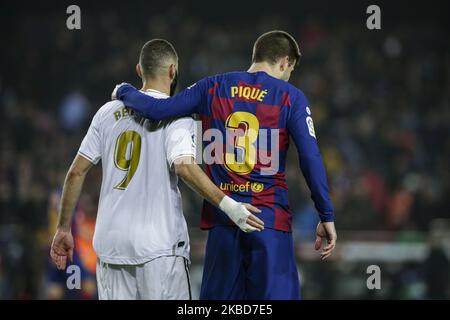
x=257 y=265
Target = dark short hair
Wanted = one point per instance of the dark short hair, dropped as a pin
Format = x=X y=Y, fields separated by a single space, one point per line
x=154 y=55
x=274 y=45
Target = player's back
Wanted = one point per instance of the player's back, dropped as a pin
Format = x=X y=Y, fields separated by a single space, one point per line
x=140 y=213
x=253 y=110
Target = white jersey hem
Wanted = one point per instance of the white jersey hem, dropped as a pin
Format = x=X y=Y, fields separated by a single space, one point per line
x=141 y=260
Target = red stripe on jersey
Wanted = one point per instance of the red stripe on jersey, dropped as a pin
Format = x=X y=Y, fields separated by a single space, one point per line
x=268 y=115
x=236 y=178
x=212 y=90
x=283 y=138
x=286 y=99
x=245 y=84
x=265 y=198
x=283 y=220
x=221 y=108
x=279 y=180
x=208 y=214
x=206 y=122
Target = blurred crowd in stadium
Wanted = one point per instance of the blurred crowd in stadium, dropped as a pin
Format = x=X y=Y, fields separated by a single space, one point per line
x=380 y=101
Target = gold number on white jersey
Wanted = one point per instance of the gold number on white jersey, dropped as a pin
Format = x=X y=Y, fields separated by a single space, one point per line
x=126 y=155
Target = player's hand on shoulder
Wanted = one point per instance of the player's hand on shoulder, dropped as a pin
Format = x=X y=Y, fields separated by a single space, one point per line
x=114 y=93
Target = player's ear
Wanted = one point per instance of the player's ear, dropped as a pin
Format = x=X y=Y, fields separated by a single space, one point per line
x=284 y=63
x=138 y=70
x=172 y=71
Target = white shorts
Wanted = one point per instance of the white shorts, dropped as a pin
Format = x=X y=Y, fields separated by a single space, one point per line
x=163 y=278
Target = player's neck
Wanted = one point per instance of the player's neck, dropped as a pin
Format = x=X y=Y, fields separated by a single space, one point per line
x=263 y=66
x=156 y=85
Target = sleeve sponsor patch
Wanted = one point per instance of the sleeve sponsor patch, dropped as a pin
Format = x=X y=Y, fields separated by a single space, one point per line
x=310 y=124
x=308 y=111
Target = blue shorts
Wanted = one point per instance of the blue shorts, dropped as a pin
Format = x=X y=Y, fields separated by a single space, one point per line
x=255 y=266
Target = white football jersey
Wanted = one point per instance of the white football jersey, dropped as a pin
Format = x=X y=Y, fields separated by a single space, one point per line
x=140 y=213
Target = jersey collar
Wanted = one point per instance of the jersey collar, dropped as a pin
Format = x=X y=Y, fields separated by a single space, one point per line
x=155 y=91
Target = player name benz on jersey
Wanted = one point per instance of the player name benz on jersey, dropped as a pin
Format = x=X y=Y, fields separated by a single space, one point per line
x=140 y=212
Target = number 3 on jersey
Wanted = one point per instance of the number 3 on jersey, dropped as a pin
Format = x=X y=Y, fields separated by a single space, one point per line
x=245 y=142
x=126 y=155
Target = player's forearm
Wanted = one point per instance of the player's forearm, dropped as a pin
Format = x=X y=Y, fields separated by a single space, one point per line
x=315 y=175
x=73 y=185
x=194 y=176
x=183 y=104
x=198 y=181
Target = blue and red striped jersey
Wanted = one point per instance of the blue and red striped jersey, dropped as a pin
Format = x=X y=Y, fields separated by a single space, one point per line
x=247 y=121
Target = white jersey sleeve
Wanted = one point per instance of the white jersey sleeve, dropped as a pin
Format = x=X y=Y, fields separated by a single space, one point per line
x=90 y=147
x=180 y=139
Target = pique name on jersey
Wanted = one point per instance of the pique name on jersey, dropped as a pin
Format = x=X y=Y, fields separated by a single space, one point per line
x=122 y=113
x=247 y=92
